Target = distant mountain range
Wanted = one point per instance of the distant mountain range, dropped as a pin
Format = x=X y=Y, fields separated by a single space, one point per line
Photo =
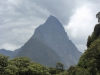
x=6 y=52
x=9 y=53
x=49 y=45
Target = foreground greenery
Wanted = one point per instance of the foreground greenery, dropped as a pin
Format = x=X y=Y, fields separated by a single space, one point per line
x=89 y=63
x=23 y=66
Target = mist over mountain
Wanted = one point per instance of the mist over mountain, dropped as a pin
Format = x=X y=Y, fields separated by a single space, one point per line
x=50 y=44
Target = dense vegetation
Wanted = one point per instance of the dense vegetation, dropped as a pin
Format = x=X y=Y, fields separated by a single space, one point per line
x=23 y=66
x=89 y=63
x=94 y=35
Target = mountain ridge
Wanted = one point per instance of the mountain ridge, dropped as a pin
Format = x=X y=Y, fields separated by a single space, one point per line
x=48 y=45
x=52 y=35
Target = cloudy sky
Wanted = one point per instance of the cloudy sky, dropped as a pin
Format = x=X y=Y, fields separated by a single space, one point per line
x=19 y=18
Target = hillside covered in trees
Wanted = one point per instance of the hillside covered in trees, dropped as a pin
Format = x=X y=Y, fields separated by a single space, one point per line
x=24 y=66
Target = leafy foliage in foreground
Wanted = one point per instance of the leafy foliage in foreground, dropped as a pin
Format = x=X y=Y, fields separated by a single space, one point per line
x=23 y=66
x=89 y=63
x=94 y=35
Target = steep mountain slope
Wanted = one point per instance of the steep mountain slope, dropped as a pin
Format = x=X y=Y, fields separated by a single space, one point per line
x=39 y=52
x=50 y=44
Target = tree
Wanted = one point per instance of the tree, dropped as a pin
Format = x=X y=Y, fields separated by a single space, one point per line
x=60 y=66
x=94 y=36
x=11 y=70
x=98 y=16
x=37 y=69
x=90 y=60
x=3 y=63
x=89 y=41
x=22 y=64
x=52 y=70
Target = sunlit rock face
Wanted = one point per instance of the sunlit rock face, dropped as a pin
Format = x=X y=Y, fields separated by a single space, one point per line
x=50 y=44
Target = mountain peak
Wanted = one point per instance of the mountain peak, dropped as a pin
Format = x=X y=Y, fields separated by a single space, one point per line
x=51 y=16
x=52 y=20
x=50 y=39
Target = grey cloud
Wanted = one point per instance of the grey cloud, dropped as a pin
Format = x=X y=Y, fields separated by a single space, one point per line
x=14 y=12
x=19 y=18
x=62 y=9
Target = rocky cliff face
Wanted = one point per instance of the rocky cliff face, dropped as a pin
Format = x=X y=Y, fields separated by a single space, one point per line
x=50 y=44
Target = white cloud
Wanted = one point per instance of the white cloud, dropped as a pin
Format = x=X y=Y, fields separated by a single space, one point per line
x=10 y=46
x=81 y=26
